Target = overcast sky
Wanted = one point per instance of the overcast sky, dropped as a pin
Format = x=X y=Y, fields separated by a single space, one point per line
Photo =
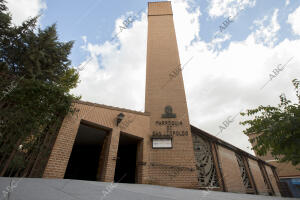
x=230 y=71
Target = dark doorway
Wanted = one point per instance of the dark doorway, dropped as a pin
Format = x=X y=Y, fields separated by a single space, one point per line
x=84 y=160
x=126 y=159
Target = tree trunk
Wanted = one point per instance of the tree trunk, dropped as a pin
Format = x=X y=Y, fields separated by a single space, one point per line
x=37 y=160
x=31 y=159
x=10 y=158
x=2 y=159
x=17 y=173
x=11 y=171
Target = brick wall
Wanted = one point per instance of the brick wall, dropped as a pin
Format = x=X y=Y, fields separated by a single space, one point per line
x=258 y=177
x=273 y=180
x=103 y=117
x=62 y=149
x=177 y=173
x=176 y=166
x=283 y=169
x=231 y=171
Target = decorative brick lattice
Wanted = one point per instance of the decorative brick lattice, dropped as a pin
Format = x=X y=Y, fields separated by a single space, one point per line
x=206 y=170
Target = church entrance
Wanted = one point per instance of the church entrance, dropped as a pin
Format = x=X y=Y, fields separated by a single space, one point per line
x=84 y=160
x=125 y=171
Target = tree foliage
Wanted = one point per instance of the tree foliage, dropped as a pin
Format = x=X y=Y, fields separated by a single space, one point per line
x=35 y=80
x=276 y=129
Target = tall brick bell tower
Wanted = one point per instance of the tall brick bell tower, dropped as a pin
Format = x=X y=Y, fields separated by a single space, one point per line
x=171 y=156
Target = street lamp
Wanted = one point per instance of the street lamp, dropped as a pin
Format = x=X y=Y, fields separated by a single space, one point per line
x=120 y=118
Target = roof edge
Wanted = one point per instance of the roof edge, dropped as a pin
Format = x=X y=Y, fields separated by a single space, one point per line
x=230 y=146
x=111 y=107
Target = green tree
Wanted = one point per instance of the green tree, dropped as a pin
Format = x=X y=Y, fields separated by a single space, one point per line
x=35 y=80
x=276 y=129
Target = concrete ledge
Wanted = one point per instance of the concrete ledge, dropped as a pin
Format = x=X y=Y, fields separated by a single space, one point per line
x=65 y=189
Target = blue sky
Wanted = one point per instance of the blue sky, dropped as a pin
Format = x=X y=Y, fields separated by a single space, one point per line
x=225 y=75
x=96 y=20
x=92 y=18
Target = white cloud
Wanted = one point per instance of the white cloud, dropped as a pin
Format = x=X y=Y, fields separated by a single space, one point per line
x=117 y=69
x=217 y=41
x=182 y=17
x=287 y=2
x=228 y=8
x=218 y=83
x=267 y=34
x=294 y=20
x=221 y=85
x=23 y=9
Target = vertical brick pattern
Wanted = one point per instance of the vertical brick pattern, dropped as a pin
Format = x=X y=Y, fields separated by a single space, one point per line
x=103 y=159
x=110 y=161
x=162 y=60
x=139 y=162
x=231 y=171
x=258 y=177
x=159 y=8
x=139 y=127
x=273 y=180
x=62 y=149
x=103 y=116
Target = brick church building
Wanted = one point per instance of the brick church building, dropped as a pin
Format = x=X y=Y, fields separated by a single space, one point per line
x=158 y=146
